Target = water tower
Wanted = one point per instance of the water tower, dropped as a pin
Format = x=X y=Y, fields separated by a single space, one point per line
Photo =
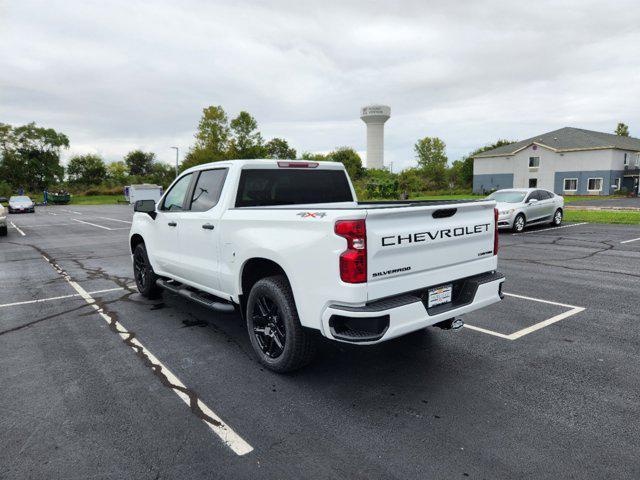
x=375 y=116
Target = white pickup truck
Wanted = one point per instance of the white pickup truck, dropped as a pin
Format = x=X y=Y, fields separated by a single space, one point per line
x=288 y=245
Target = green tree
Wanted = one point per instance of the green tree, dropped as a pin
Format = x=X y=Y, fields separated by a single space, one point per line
x=117 y=172
x=246 y=141
x=139 y=162
x=162 y=174
x=316 y=157
x=279 y=148
x=380 y=183
x=432 y=159
x=197 y=156
x=350 y=159
x=413 y=181
x=212 y=138
x=213 y=130
x=30 y=156
x=622 y=130
x=88 y=169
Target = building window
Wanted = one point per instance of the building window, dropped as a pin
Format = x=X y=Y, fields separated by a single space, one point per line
x=637 y=159
x=626 y=159
x=534 y=163
x=533 y=183
x=570 y=184
x=616 y=184
x=594 y=185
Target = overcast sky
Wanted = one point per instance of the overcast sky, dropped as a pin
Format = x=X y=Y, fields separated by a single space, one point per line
x=116 y=75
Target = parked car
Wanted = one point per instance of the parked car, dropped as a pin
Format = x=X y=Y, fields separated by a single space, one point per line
x=21 y=203
x=519 y=207
x=289 y=246
x=3 y=221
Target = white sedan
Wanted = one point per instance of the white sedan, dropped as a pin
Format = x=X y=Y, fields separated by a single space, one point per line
x=519 y=207
x=21 y=203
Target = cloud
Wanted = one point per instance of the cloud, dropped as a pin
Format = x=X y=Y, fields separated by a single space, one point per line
x=121 y=75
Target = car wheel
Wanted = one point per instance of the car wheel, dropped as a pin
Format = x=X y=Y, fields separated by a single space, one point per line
x=143 y=273
x=519 y=223
x=279 y=341
x=557 y=217
x=3 y=231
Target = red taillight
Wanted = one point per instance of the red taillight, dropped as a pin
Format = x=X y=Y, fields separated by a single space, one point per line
x=298 y=164
x=495 y=231
x=353 y=261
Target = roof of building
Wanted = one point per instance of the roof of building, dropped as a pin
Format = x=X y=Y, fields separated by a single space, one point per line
x=567 y=139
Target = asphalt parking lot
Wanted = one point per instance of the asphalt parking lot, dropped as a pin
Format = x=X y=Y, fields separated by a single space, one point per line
x=542 y=385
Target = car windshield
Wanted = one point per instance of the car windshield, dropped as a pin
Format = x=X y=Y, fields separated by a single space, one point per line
x=19 y=199
x=507 y=197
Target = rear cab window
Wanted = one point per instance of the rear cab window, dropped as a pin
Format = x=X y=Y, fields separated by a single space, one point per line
x=271 y=187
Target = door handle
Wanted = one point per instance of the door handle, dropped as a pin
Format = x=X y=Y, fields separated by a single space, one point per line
x=208 y=226
x=172 y=224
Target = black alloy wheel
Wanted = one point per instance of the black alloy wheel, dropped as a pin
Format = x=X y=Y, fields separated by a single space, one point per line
x=143 y=273
x=140 y=269
x=269 y=328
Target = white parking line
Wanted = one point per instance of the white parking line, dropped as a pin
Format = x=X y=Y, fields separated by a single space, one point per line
x=632 y=240
x=47 y=225
x=93 y=224
x=115 y=220
x=48 y=299
x=552 y=228
x=526 y=331
x=228 y=436
x=19 y=231
x=72 y=211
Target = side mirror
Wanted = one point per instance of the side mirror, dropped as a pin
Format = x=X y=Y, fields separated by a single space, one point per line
x=145 y=206
x=532 y=200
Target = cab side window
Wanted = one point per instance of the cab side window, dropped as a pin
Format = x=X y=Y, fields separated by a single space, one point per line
x=207 y=190
x=174 y=200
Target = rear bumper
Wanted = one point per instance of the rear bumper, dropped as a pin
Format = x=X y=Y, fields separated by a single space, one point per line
x=385 y=319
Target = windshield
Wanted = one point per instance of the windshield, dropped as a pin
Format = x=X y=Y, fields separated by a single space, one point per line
x=507 y=197
x=19 y=199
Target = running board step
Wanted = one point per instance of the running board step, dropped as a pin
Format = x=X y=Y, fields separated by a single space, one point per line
x=203 y=299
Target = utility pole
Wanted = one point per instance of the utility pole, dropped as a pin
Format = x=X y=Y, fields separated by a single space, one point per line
x=177 y=150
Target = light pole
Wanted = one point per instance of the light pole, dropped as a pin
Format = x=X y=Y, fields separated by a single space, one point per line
x=177 y=150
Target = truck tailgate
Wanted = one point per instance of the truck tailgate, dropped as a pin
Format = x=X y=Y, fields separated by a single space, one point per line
x=410 y=248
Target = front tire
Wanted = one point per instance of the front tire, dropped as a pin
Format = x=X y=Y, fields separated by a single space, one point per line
x=278 y=340
x=3 y=231
x=519 y=223
x=557 y=218
x=143 y=273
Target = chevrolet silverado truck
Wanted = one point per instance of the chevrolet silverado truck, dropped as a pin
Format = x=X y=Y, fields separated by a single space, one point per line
x=287 y=244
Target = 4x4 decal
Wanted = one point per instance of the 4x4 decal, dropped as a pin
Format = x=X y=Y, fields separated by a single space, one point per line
x=311 y=214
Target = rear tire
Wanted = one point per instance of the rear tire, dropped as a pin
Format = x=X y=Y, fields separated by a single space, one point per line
x=143 y=273
x=557 y=218
x=519 y=223
x=3 y=231
x=278 y=340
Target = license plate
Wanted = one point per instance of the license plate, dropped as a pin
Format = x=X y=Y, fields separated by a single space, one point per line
x=439 y=295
